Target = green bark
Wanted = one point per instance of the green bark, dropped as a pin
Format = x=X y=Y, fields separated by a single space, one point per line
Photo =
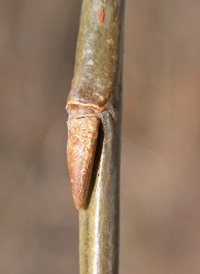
x=98 y=81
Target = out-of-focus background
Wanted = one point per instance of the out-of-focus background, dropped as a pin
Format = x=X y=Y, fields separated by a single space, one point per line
x=160 y=175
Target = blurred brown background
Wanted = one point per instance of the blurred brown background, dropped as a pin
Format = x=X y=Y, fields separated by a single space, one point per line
x=160 y=176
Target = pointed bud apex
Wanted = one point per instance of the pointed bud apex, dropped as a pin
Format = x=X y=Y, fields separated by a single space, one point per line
x=81 y=147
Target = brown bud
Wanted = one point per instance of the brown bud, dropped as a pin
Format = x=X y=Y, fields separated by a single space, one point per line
x=81 y=146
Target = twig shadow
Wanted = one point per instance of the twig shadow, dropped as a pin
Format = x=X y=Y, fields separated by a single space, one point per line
x=96 y=163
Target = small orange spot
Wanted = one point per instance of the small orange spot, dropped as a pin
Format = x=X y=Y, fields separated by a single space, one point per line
x=101 y=15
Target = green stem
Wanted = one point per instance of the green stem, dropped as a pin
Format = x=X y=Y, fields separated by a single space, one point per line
x=99 y=221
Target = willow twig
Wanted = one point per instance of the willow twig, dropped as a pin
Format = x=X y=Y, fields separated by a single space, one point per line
x=94 y=106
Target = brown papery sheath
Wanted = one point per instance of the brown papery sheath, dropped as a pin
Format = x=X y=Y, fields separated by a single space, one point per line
x=93 y=89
